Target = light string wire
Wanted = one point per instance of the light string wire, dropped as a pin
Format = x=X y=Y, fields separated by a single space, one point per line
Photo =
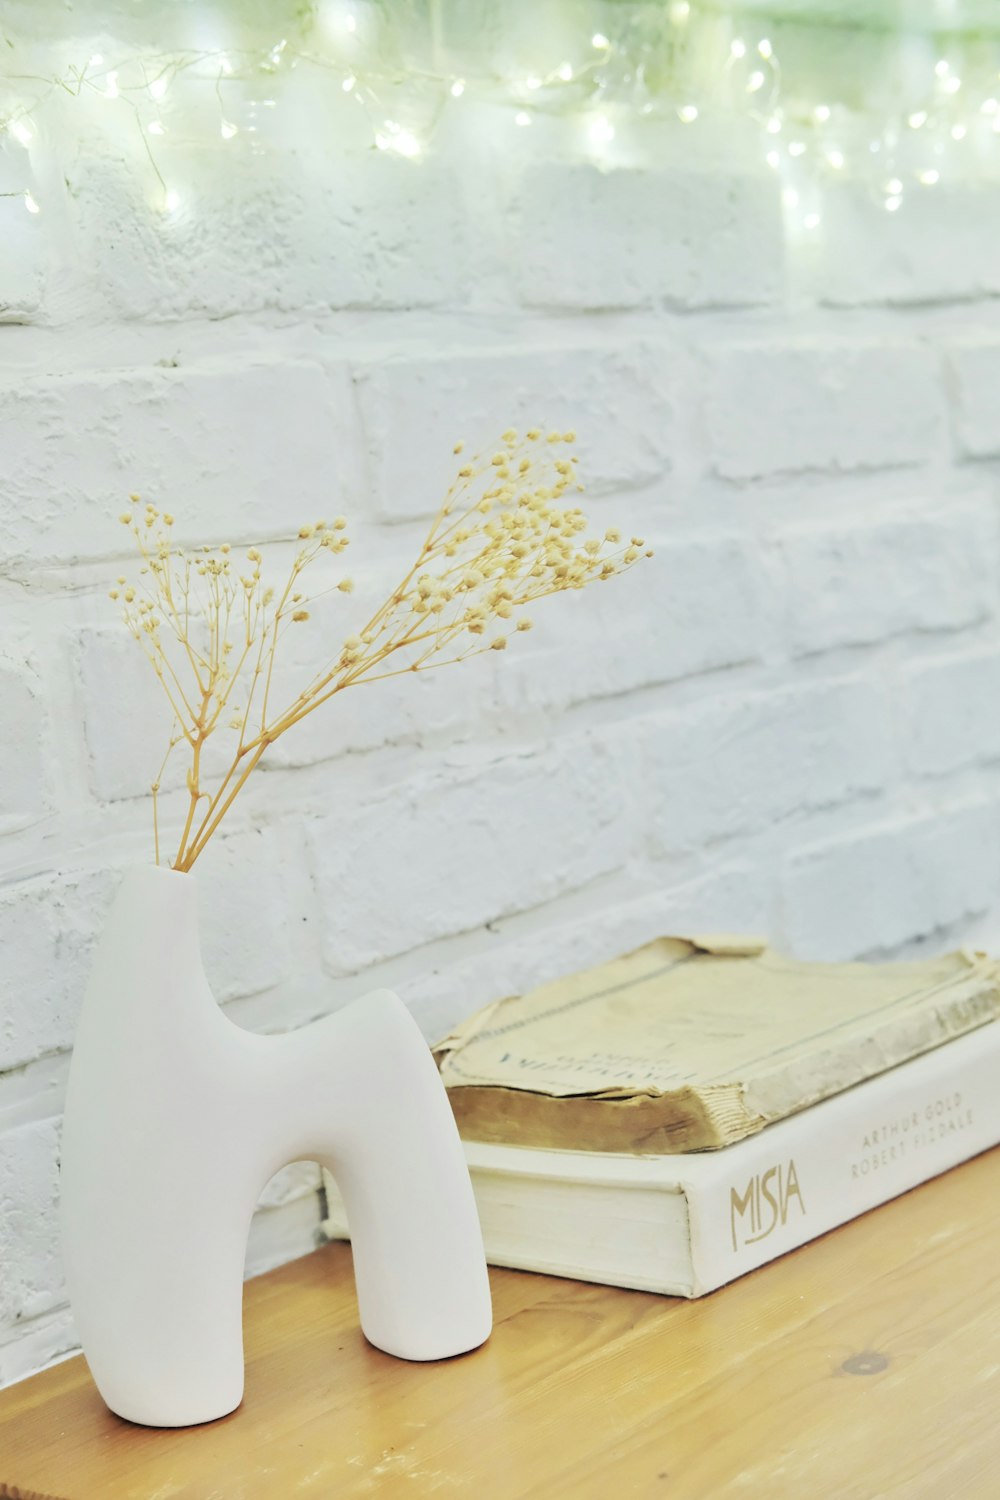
x=806 y=142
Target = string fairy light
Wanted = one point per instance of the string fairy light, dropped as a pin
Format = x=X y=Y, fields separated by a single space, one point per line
x=657 y=65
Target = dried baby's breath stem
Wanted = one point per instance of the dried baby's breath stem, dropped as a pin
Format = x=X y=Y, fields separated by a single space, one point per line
x=502 y=538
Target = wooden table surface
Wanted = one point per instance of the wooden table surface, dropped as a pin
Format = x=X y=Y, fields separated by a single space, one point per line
x=863 y=1367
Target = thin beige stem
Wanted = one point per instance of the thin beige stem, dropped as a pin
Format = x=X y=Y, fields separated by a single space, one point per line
x=198 y=846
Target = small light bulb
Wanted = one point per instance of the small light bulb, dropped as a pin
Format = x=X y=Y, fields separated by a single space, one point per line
x=811 y=221
x=522 y=117
x=952 y=85
x=600 y=41
x=156 y=127
x=171 y=200
x=679 y=12
x=941 y=68
x=821 y=113
x=894 y=187
x=891 y=204
x=835 y=159
x=21 y=132
x=796 y=148
x=917 y=119
x=737 y=47
x=602 y=129
x=774 y=159
x=111 y=86
x=755 y=82
x=96 y=60
x=688 y=113
x=565 y=72
x=30 y=204
x=764 y=48
x=351 y=22
x=159 y=87
x=790 y=198
x=532 y=83
x=395 y=138
x=227 y=130
x=773 y=125
x=348 y=83
x=225 y=65
x=458 y=88
x=958 y=132
x=929 y=177
x=989 y=107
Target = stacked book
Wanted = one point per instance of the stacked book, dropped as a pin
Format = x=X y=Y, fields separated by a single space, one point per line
x=683 y=1114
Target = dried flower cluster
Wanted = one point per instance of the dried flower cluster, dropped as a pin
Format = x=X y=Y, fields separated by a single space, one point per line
x=212 y=628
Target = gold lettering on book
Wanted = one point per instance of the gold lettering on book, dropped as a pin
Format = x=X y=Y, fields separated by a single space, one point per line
x=763 y=1205
x=908 y=1135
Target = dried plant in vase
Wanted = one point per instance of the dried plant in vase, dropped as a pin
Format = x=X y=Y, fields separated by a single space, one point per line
x=212 y=627
x=175 y=1117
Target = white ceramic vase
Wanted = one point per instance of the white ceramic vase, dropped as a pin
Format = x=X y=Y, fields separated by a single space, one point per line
x=175 y=1120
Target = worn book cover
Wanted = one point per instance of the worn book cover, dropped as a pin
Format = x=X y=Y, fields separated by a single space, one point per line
x=690 y=1044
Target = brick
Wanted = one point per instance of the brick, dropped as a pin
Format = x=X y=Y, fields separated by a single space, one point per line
x=126 y=742
x=247 y=911
x=650 y=627
x=937 y=246
x=127 y=718
x=949 y=713
x=632 y=238
x=975 y=383
x=24 y=781
x=32 y=1280
x=22 y=271
x=694 y=606
x=867 y=893
x=212 y=442
x=413 y=709
x=728 y=898
x=425 y=709
x=297 y=1180
x=278 y=1235
x=48 y=928
x=414 y=410
x=859 y=583
x=26 y=1348
x=444 y=857
x=743 y=762
x=275 y=232
x=791 y=407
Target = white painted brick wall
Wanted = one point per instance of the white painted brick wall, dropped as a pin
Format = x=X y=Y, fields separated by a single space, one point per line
x=616 y=394
x=788 y=720
x=588 y=239
x=939 y=249
x=859 y=581
x=778 y=408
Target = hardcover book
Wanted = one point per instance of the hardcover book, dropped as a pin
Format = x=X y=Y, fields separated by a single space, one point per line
x=691 y=1044
x=686 y=1224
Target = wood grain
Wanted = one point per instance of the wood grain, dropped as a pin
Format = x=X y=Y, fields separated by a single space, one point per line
x=863 y=1367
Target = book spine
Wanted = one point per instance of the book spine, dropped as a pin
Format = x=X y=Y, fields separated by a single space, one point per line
x=828 y=1164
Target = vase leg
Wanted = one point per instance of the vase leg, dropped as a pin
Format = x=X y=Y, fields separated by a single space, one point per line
x=419 y=1265
x=158 y=1301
